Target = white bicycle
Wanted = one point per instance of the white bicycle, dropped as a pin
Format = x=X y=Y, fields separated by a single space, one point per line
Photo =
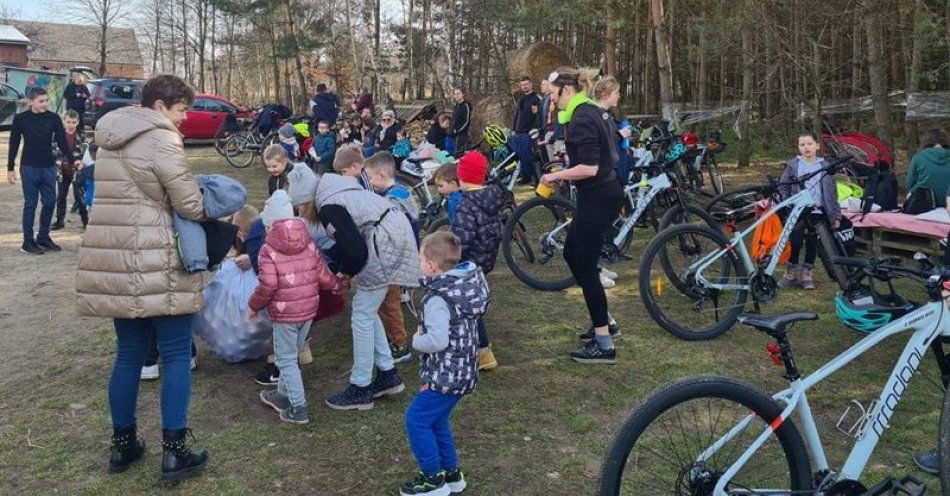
x=694 y=281
x=716 y=436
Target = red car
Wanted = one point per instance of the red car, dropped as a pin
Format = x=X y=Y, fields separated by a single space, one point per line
x=206 y=115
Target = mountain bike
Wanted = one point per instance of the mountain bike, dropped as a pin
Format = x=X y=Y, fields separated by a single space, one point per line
x=533 y=239
x=713 y=435
x=241 y=148
x=694 y=282
x=703 y=159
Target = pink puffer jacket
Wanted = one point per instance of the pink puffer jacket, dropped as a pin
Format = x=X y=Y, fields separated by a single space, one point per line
x=292 y=273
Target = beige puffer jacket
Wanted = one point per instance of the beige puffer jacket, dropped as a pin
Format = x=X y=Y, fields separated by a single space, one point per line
x=129 y=265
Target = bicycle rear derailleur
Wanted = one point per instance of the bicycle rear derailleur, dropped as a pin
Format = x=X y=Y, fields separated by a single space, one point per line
x=764 y=287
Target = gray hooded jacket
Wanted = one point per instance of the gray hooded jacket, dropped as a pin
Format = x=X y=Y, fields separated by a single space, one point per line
x=393 y=256
x=223 y=196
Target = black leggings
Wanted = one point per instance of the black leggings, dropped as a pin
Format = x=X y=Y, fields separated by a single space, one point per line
x=597 y=208
x=803 y=236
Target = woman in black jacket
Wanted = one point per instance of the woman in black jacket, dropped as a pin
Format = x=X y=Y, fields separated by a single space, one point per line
x=461 y=120
x=593 y=170
x=76 y=93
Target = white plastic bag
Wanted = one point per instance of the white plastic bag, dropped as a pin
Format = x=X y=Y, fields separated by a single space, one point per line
x=223 y=323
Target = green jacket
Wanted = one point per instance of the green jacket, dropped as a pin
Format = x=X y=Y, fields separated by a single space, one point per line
x=930 y=168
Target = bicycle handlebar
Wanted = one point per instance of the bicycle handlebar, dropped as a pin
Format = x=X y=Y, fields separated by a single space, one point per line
x=887 y=268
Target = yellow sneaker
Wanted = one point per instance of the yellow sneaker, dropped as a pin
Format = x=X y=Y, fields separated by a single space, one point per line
x=305 y=357
x=486 y=359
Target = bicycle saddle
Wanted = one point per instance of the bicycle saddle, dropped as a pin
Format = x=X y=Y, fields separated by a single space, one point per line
x=774 y=323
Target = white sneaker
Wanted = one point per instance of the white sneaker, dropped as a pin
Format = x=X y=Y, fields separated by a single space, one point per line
x=194 y=362
x=606 y=282
x=149 y=373
x=609 y=273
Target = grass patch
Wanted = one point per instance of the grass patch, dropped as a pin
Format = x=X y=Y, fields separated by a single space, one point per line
x=538 y=424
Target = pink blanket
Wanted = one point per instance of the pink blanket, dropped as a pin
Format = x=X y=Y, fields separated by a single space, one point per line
x=899 y=222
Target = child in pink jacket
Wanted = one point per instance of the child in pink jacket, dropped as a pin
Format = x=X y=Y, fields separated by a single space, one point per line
x=292 y=273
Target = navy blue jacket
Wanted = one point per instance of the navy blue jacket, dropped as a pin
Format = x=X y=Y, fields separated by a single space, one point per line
x=477 y=223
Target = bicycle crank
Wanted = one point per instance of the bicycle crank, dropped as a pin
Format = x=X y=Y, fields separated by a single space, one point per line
x=764 y=287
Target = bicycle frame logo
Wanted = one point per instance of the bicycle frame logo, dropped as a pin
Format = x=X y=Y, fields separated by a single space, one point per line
x=900 y=379
x=645 y=194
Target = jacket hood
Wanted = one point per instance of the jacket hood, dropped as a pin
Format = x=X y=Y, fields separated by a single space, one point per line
x=121 y=126
x=464 y=287
x=333 y=184
x=489 y=199
x=935 y=155
x=289 y=236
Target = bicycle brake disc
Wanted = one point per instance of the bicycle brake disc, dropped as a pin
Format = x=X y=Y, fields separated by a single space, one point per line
x=764 y=287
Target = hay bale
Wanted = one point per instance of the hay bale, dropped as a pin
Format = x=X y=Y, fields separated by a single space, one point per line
x=491 y=109
x=536 y=61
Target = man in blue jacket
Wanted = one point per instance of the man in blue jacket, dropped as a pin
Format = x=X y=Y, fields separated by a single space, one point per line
x=325 y=105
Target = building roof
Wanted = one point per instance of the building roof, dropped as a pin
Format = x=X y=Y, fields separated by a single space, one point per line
x=78 y=43
x=10 y=34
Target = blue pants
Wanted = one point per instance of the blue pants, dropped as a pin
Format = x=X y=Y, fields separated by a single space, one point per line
x=482 y=334
x=173 y=333
x=39 y=183
x=427 y=427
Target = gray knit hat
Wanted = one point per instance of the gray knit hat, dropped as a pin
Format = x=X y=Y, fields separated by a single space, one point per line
x=276 y=208
x=303 y=184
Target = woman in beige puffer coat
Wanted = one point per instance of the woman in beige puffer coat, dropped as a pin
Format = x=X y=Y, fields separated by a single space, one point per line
x=129 y=268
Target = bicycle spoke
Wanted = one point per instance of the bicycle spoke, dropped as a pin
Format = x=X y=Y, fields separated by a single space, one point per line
x=665 y=458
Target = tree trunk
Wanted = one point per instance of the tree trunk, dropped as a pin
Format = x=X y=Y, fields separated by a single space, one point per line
x=184 y=40
x=275 y=65
x=295 y=46
x=857 y=59
x=745 y=149
x=663 y=60
x=103 y=40
x=610 y=43
x=878 y=76
x=915 y=44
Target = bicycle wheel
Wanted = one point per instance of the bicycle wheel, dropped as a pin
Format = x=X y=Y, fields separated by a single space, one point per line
x=831 y=247
x=441 y=224
x=943 y=444
x=220 y=139
x=680 y=303
x=715 y=175
x=689 y=214
x=533 y=243
x=739 y=205
x=236 y=152
x=660 y=447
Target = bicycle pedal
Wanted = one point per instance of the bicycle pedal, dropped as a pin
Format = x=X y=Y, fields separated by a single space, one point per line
x=908 y=486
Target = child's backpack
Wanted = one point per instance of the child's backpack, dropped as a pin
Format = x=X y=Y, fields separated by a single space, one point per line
x=881 y=189
x=921 y=200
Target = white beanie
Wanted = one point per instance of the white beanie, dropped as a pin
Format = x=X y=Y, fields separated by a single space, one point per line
x=276 y=208
x=303 y=184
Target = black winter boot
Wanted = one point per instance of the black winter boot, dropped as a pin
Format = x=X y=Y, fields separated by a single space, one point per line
x=127 y=447
x=179 y=461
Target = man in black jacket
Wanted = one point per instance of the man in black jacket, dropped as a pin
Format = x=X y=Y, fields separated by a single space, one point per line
x=37 y=127
x=527 y=115
x=527 y=119
x=461 y=119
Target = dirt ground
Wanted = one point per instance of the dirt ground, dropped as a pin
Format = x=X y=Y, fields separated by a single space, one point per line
x=37 y=313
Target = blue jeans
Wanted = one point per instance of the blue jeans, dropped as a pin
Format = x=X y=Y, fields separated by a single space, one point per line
x=174 y=343
x=39 y=183
x=289 y=338
x=370 y=345
x=427 y=427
